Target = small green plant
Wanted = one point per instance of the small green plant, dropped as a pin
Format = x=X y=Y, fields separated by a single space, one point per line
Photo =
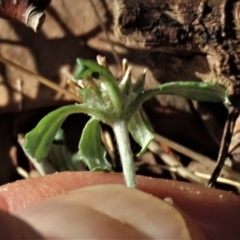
x=117 y=104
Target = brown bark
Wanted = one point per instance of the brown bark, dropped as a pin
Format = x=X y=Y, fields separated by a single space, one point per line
x=209 y=27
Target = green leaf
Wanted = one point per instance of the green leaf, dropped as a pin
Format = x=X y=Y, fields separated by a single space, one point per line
x=200 y=91
x=140 y=132
x=90 y=69
x=43 y=167
x=82 y=70
x=92 y=100
x=59 y=156
x=38 y=141
x=139 y=85
x=91 y=150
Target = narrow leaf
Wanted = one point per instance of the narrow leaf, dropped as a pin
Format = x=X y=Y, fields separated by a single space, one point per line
x=38 y=141
x=200 y=91
x=91 y=150
x=140 y=132
x=139 y=85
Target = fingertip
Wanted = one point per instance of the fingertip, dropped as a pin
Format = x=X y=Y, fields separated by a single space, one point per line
x=154 y=217
x=106 y=211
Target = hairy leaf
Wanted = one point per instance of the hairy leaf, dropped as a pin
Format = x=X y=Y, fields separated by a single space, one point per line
x=200 y=91
x=91 y=150
x=90 y=69
x=38 y=141
x=140 y=131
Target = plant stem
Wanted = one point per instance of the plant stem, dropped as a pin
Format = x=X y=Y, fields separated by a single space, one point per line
x=121 y=134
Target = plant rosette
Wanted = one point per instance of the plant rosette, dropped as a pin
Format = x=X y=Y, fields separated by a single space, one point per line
x=117 y=104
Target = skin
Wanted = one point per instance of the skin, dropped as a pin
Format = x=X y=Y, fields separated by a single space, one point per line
x=94 y=205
